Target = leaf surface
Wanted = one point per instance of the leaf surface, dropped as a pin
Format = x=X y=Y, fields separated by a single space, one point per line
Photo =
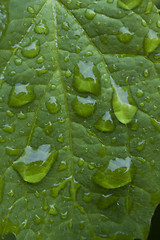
x=79 y=118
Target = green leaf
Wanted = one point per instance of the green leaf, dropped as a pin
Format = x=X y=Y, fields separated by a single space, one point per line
x=79 y=119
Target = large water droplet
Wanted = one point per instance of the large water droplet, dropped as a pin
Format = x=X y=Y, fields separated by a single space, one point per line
x=41 y=27
x=84 y=107
x=31 y=50
x=87 y=78
x=8 y=128
x=52 y=105
x=123 y=104
x=106 y=123
x=128 y=4
x=34 y=164
x=41 y=70
x=21 y=94
x=156 y=124
x=90 y=14
x=152 y=41
x=115 y=175
x=124 y=35
x=12 y=151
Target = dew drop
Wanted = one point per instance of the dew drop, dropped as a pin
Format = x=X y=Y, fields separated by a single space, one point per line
x=87 y=197
x=134 y=125
x=106 y=201
x=21 y=94
x=155 y=123
x=31 y=10
x=124 y=35
x=37 y=220
x=41 y=27
x=68 y=73
x=106 y=123
x=53 y=210
x=115 y=175
x=123 y=104
x=87 y=77
x=9 y=128
x=80 y=162
x=110 y=1
x=141 y=145
x=18 y=61
x=62 y=166
x=151 y=42
x=11 y=193
x=48 y=129
x=60 y=138
x=41 y=71
x=84 y=107
x=31 y=50
x=52 y=105
x=139 y=93
x=65 y=26
x=149 y=7
x=12 y=151
x=10 y=113
x=144 y=24
x=40 y=60
x=90 y=14
x=21 y=115
x=128 y=4
x=34 y=164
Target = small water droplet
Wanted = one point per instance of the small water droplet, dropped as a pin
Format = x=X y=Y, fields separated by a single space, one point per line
x=155 y=123
x=66 y=59
x=60 y=138
x=48 y=129
x=9 y=128
x=141 y=145
x=115 y=175
x=87 y=197
x=149 y=7
x=21 y=115
x=18 y=61
x=80 y=162
x=65 y=26
x=139 y=93
x=128 y=4
x=40 y=60
x=41 y=71
x=106 y=201
x=37 y=219
x=124 y=35
x=41 y=27
x=64 y=215
x=52 y=105
x=21 y=94
x=146 y=73
x=84 y=107
x=10 y=113
x=12 y=151
x=89 y=53
x=62 y=166
x=68 y=73
x=32 y=49
x=31 y=10
x=91 y=166
x=53 y=210
x=152 y=41
x=134 y=125
x=11 y=193
x=90 y=14
x=87 y=77
x=106 y=123
x=110 y=1
x=34 y=164
x=144 y=24
x=12 y=73
x=123 y=104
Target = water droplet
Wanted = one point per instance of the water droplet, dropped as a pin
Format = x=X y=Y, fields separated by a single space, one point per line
x=52 y=210
x=90 y=14
x=124 y=35
x=110 y=1
x=21 y=115
x=55 y=190
x=158 y=23
x=12 y=151
x=52 y=105
x=10 y=113
x=123 y=104
x=31 y=10
x=60 y=138
x=66 y=59
x=139 y=93
x=34 y=164
x=89 y=53
x=11 y=193
x=68 y=73
x=8 y=128
x=87 y=197
x=48 y=129
x=37 y=220
x=149 y=7
x=12 y=73
x=106 y=201
x=144 y=24
x=155 y=123
x=106 y=123
x=18 y=61
x=65 y=26
x=41 y=27
x=128 y=4
x=41 y=70
x=134 y=125
x=87 y=78
x=21 y=94
x=62 y=166
x=91 y=166
x=40 y=60
x=80 y=162
x=115 y=175
x=152 y=41
x=141 y=145
x=84 y=107
x=31 y=50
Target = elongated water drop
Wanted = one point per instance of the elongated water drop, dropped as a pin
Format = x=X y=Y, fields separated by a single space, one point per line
x=21 y=94
x=34 y=164
x=152 y=41
x=52 y=105
x=123 y=104
x=41 y=27
x=84 y=107
x=31 y=50
x=128 y=4
x=124 y=35
x=106 y=123
x=87 y=78
x=115 y=175
x=90 y=14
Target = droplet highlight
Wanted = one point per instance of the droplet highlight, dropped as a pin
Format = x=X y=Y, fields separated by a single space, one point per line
x=84 y=107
